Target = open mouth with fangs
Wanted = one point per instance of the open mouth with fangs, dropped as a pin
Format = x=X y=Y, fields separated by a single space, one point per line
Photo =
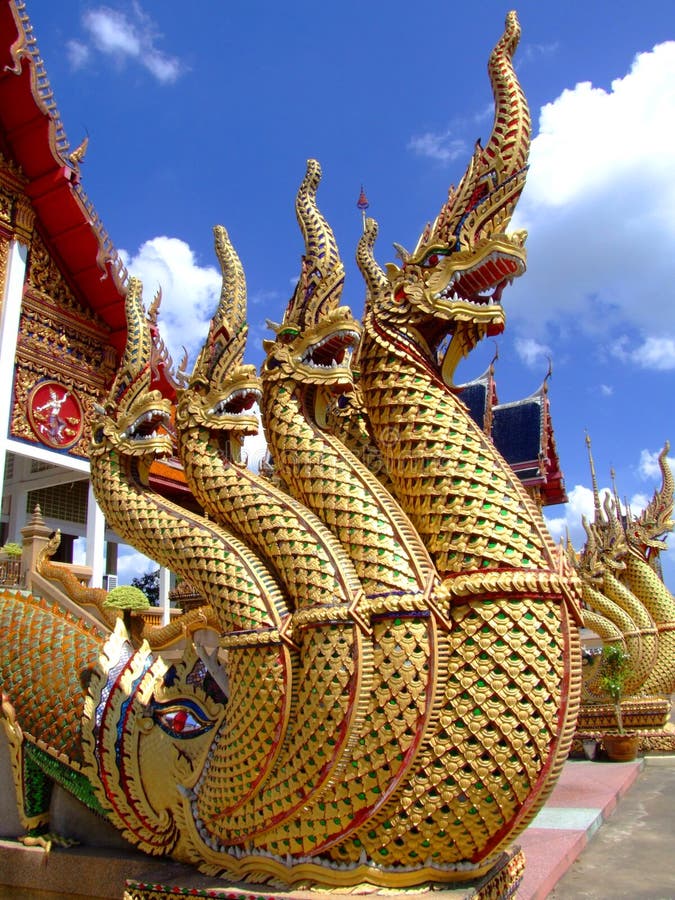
x=467 y=310
x=237 y=419
x=147 y=426
x=332 y=354
x=238 y=403
x=482 y=284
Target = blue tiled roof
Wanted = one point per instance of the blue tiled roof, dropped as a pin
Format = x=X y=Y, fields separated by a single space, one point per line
x=516 y=431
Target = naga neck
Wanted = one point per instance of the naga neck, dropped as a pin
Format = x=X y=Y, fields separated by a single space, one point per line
x=171 y=535
x=330 y=480
x=460 y=494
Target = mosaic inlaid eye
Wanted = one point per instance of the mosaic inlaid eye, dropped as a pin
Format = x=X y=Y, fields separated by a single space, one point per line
x=182 y=719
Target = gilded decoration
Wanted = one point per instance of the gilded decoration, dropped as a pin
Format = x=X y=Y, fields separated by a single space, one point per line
x=628 y=605
x=55 y=414
x=4 y=261
x=62 y=341
x=16 y=212
x=398 y=672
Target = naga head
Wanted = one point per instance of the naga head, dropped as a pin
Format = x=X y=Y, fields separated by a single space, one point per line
x=646 y=533
x=222 y=392
x=446 y=294
x=134 y=418
x=314 y=343
x=152 y=725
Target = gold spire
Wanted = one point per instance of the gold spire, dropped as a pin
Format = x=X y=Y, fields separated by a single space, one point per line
x=594 y=480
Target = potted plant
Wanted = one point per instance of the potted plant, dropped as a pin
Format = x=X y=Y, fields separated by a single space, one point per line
x=615 y=670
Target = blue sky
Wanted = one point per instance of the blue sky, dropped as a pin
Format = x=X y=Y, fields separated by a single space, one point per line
x=206 y=114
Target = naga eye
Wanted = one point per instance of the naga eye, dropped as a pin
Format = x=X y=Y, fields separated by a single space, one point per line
x=181 y=720
x=433 y=257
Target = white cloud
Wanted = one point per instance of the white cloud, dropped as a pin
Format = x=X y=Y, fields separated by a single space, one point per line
x=190 y=295
x=255 y=447
x=598 y=206
x=606 y=390
x=529 y=52
x=125 y=39
x=78 y=54
x=112 y=32
x=656 y=353
x=649 y=464
x=190 y=292
x=441 y=146
x=531 y=352
x=580 y=504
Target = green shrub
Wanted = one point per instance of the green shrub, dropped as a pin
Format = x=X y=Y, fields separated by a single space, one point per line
x=615 y=671
x=11 y=549
x=126 y=597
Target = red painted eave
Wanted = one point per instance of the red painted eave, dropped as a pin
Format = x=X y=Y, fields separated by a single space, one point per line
x=62 y=219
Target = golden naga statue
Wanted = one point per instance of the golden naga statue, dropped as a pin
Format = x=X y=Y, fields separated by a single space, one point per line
x=626 y=602
x=399 y=670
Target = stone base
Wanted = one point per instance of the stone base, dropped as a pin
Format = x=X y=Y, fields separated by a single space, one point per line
x=652 y=740
x=500 y=883
x=638 y=714
x=28 y=873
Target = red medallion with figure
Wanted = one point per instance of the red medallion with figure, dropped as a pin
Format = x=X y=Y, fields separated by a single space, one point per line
x=55 y=414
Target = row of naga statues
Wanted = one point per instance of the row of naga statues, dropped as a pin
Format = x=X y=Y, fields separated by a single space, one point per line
x=398 y=673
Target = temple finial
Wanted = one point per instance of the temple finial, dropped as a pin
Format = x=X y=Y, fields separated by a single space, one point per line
x=363 y=204
x=594 y=480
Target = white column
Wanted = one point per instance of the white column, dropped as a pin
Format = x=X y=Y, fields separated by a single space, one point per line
x=17 y=515
x=95 y=539
x=164 y=586
x=9 y=331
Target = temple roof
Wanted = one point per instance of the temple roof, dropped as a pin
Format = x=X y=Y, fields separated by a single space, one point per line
x=522 y=431
x=33 y=137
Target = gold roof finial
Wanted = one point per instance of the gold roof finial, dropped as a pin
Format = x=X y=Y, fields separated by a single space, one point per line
x=594 y=480
x=78 y=154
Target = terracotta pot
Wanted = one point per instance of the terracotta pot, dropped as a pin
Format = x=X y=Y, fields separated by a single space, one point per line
x=621 y=747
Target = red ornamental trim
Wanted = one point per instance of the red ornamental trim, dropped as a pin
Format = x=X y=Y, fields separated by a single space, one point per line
x=55 y=414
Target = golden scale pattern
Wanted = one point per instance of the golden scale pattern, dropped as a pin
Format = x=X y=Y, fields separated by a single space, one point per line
x=480 y=523
x=270 y=522
x=628 y=605
x=49 y=649
x=645 y=584
x=626 y=602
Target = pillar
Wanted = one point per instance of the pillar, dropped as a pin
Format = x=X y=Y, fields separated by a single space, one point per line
x=10 y=314
x=95 y=539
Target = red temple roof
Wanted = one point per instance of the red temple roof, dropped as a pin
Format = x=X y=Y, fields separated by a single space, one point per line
x=32 y=136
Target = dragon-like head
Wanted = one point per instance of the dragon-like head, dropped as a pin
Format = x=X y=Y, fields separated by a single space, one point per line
x=134 y=420
x=314 y=343
x=447 y=293
x=152 y=725
x=222 y=391
x=646 y=533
